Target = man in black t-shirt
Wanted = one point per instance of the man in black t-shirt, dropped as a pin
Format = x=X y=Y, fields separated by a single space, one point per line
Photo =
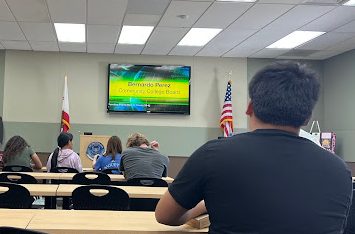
x=268 y=180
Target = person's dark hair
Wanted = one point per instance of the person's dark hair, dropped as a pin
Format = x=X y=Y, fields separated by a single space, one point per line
x=14 y=145
x=114 y=146
x=284 y=94
x=63 y=139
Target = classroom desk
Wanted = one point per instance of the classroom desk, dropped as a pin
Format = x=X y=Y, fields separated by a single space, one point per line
x=39 y=189
x=44 y=169
x=19 y=218
x=113 y=177
x=40 y=175
x=105 y=222
x=66 y=190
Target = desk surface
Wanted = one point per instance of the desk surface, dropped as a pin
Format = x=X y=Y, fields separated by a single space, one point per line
x=113 y=177
x=84 y=169
x=133 y=191
x=39 y=189
x=40 y=175
x=88 y=221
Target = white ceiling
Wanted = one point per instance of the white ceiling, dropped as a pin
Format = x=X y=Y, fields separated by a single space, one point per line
x=247 y=27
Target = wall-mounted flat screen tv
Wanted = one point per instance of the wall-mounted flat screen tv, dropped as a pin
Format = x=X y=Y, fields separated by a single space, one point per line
x=149 y=88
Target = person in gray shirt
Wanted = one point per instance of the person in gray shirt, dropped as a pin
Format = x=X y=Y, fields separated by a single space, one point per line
x=142 y=159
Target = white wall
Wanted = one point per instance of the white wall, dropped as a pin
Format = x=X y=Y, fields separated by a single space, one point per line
x=33 y=87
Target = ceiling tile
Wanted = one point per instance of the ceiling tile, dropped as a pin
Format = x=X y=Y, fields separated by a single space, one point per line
x=29 y=10
x=101 y=48
x=225 y=41
x=344 y=45
x=10 y=31
x=102 y=33
x=38 y=31
x=110 y=12
x=268 y=53
x=326 y=40
x=72 y=47
x=67 y=11
x=44 y=45
x=349 y=27
x=281 y=1
x=141 y=20
x=128 y=49
x=185 y=50
x=332 y=20
x=1 y=47
x=260 y=15
x=163 y=40
x=5 y=13
x=221 y=14
x=192 y=9
x=147 y=7
x=16 y=45
x=324 y=54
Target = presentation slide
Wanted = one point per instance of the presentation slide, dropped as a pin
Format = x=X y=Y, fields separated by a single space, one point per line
x=147 y=88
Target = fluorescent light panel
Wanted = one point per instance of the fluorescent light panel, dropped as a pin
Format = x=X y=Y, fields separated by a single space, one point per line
x=199 y=36
x=135 y=35
x=295 y=39
x=350 y=3
x=236 y=0
x=70 y=32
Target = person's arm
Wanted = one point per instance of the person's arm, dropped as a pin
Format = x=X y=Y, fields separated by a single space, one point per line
x=97 y=166
x=77 y=163
x=94 y=161
x=49 y=163
x=37 y=162
x=154 y=145
x=169 y=212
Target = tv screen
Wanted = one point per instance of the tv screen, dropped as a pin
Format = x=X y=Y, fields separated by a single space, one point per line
x=149 y=88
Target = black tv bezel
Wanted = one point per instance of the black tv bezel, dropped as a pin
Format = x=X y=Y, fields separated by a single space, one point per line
x=146 y=112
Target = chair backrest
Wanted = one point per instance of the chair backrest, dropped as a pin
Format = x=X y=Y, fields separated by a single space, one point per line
x=17 y=168
x=88 y=178
x=111 y=171
x=64 y=170
x=17 y=178
x=114 y=199
x=16 y=196
x=350 y=224
x=15 y=230
x=150 y=182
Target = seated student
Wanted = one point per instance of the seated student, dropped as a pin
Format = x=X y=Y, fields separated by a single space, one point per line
x=142 y=159
x=112 y=158
x=268 y=180
x=18 y=152
x=63 y=155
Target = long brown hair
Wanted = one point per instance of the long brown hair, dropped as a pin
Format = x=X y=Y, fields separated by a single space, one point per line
x=14 y=145
x=114 y=146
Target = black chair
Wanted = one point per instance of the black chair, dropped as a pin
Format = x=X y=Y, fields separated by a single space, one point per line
x=17 y=168
x=16 y=197
x=115 y=199
x=350 y=223
x=14 y=230
x=84 y=178
x=112 y=171
x=151 y=182
x=17 y=178
x=145 y=204
x=63 y=170
x=51 y=201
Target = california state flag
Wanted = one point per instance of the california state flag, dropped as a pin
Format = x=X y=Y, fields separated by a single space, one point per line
x=65 y=123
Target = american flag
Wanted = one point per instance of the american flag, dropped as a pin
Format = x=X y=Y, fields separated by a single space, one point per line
x=226 y=120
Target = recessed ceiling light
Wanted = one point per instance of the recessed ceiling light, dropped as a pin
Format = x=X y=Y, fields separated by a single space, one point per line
x=350 y=3
x=70 y=32
x=295 y=39
x=236 y=0
x=199 y=36
x=135 y=35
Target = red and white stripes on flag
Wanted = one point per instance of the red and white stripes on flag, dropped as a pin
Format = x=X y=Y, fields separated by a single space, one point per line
x=226 y=120
x=65 y=122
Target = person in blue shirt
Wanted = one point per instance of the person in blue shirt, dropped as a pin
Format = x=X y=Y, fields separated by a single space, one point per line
x=112 y=157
